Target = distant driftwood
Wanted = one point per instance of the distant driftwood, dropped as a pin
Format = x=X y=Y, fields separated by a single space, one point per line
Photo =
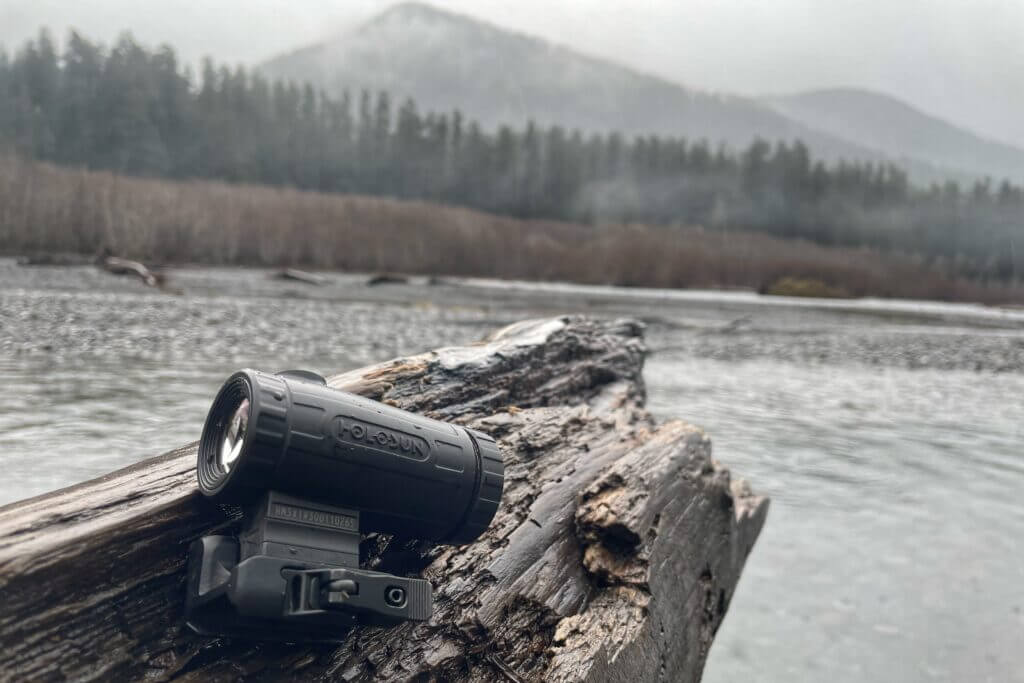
x=614 y=554
x=121 y=266
x=111 y=264
x=387 y=279
x=300 y=276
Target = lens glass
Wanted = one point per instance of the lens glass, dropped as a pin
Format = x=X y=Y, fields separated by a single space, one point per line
x=234 y=435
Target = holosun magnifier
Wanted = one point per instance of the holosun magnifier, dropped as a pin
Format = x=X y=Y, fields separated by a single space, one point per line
x=312 y=467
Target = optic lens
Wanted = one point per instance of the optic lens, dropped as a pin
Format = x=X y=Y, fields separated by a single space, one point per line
x=234 y=436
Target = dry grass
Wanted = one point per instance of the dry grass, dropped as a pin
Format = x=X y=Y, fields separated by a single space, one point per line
x=46 y=208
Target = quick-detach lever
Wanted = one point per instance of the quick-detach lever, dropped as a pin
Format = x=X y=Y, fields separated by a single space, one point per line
x=307 y=591
x=377 y=597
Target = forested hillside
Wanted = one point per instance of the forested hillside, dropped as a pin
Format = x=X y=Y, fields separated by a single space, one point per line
x=882 y=122
x=132 y=110
x=444 y=59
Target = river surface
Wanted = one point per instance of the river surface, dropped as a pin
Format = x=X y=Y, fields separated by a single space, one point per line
x=889 y=435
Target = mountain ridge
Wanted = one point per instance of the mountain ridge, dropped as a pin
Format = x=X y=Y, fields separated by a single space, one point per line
x=446 y=60
x=877 y=119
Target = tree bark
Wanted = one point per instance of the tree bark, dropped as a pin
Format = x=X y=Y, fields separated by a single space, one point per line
x=614 y=555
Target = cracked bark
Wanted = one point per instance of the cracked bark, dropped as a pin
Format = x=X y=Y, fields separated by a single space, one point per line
x=614 y=554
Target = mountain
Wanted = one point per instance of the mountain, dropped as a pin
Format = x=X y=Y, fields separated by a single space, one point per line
x=445 y=61
x=895 y=127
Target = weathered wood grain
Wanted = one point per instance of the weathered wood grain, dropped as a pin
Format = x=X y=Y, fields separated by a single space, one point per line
x=614 y=554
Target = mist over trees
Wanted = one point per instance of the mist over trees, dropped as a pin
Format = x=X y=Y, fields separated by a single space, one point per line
x=137 y=111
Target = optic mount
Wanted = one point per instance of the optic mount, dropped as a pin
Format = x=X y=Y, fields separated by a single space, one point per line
x=293 y=573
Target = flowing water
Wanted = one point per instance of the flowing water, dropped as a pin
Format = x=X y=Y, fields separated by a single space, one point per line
x=889 y=435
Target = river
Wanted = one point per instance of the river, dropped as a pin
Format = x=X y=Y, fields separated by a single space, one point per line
x=889 y=435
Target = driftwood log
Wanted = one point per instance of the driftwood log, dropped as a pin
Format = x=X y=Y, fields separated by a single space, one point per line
x=386 y=279
x=121 y=266
x=305 y=277
x=614 y=554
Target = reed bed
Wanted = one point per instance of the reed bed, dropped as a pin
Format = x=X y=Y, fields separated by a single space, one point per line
x=45 y=208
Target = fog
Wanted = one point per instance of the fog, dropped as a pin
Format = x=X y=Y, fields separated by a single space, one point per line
x=960 y=60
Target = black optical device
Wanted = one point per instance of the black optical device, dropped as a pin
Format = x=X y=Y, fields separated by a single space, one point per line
x=312 y=467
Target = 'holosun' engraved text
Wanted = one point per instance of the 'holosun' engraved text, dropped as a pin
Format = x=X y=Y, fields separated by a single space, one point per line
x=348 y=430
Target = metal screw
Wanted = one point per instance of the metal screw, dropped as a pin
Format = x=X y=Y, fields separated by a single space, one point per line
x=394 y=596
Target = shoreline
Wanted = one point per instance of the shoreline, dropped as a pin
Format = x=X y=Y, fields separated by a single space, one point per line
x=927 y=308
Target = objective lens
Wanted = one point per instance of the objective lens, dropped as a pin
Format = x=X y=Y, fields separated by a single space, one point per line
x=234 y=435
x=222 y=447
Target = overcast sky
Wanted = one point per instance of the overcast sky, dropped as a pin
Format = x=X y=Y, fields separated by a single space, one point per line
x=962 y=60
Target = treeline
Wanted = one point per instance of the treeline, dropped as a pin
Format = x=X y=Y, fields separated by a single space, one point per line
x=132 y=110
